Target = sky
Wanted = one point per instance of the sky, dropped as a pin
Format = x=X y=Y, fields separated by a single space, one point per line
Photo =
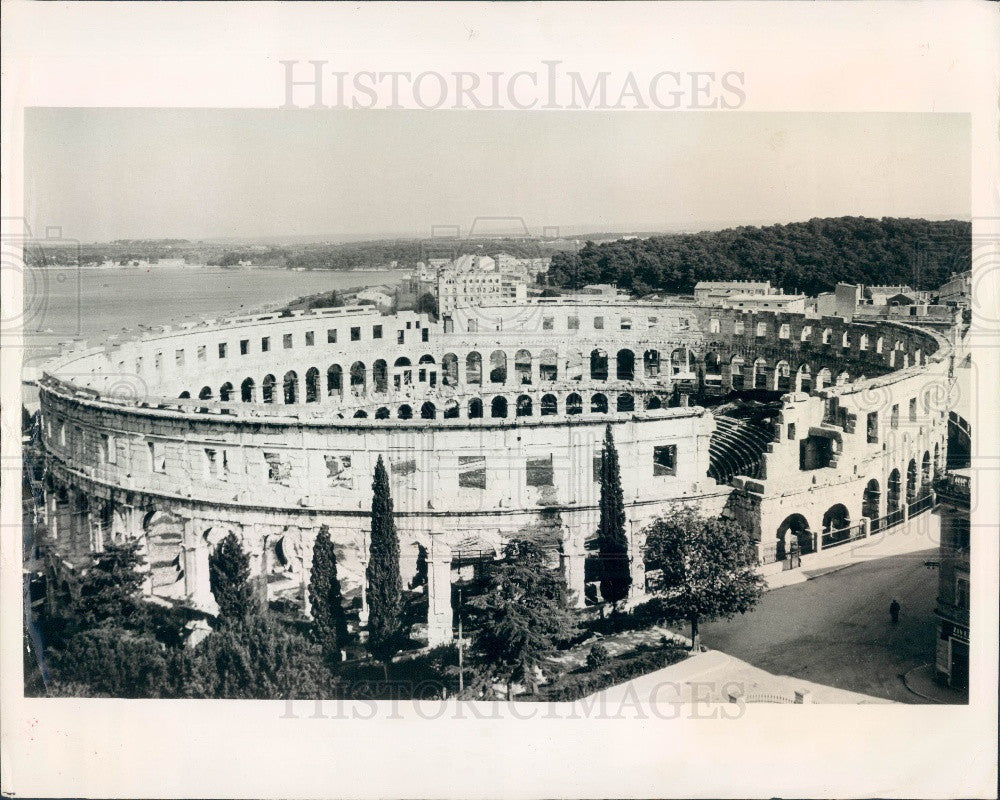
x=104 y=174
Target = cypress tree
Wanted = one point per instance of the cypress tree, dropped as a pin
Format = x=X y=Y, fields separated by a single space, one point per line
x=329 y=621
x=385 y=589
x=229 y=575
x=616 y=577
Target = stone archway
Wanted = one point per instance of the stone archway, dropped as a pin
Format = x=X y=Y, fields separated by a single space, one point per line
x=836 y=518
x=794 y=530
x=871 y=501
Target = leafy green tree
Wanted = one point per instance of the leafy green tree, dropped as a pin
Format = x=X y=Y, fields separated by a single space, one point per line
x=709 y=569
x=110 y=590
x=253 y=658
x=522 y=616
x=616 y=577
x=229 y=576
x=385 y=587
x=329 y=625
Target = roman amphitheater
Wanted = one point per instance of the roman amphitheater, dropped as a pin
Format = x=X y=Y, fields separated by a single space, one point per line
x=812 y=431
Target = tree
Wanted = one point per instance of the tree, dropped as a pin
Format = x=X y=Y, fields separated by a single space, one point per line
x=229 y=575
x=709 y=569
x=807 y=256
x=427 y=304
x=522 y=615
x=616 y=577
x=385 y=587
x=111 y=589
x=329 y=621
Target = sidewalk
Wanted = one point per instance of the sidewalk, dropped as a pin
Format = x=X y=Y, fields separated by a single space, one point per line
x=921 y=533
x=921 y=682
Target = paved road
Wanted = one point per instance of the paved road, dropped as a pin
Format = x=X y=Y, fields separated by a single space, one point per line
x=835 y=629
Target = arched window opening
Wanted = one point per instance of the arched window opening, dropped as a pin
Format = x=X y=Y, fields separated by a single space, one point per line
x=498 y=367
x=598 y=365
x=290 y=384
x=625 y=365
x=267 y=388
x=312 y=385
x=474 y=369
x=548 y=366
x=522 y=367
x=334 y=381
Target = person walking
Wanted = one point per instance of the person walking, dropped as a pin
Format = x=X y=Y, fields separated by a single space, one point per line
x=894 y=610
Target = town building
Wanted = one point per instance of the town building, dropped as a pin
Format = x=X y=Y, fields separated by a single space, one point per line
x=472 y=280
x=793 y=303
x=380 y=296
x=713 y=291
x=958 y=289
x=951 y=663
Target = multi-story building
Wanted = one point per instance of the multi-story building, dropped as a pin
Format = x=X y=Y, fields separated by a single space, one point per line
x=472 y=280
x=952 y=609
x=958 y=289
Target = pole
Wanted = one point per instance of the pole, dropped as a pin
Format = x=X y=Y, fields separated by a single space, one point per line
x=461 y=643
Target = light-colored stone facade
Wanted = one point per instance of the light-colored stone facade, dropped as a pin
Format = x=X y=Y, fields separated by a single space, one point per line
x=490 y=424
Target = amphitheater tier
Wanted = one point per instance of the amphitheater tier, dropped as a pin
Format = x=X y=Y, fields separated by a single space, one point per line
x=490 y=423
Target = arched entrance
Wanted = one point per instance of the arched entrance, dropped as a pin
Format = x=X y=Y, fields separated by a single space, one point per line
x=793 y=535
x=911 y=481
x=836 y=518
x=870 y=502
x=895 y=489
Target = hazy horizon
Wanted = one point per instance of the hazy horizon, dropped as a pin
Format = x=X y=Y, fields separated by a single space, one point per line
x=220 y=174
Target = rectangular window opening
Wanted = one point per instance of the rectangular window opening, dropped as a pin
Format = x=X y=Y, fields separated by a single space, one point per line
x=665 y=460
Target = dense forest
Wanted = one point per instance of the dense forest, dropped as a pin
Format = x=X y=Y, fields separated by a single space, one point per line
x=810 y=257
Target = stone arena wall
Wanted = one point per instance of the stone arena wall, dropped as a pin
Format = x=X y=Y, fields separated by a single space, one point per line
x=489 y=421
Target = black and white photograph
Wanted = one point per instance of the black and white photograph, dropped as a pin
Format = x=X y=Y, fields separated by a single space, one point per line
x=636 y=405
x=679 y=440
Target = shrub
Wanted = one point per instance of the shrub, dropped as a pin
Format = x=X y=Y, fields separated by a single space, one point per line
x=598 y=656
x=110 y=662
x=254 y=659
x=617 y=671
